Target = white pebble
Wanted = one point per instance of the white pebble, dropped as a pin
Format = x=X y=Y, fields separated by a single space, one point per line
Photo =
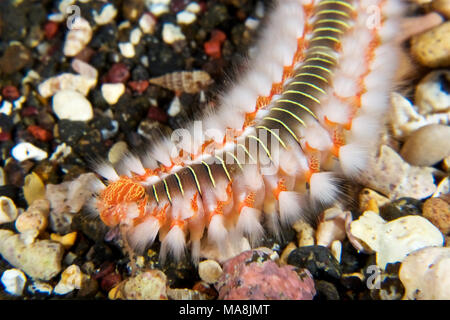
x=25 y=150
x=84 y=69
x=159 y=9
x=6 y=107
x=14 y=281
x=394 y=240
x=135 y=36
x=172 y=33
x=127 y=49
x=64 y=4
x=175 y=107
x=186 y=17
x=2 y=177
x=112 y=92
x=19 y=102
x=61 y=152
x=336 y=250
x=147 y=23
x=78 y=37
x=67 y=81
x=108 y=13
x=56 y=17
x=71 y=105
x=252 y=23
x=193 y=7
x=209 y=271
x=8 y=210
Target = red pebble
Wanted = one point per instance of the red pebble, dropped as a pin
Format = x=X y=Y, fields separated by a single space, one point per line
x=39 y=133
x=218 y=35
x=212 y=49
x=5 y=136
x=138 y=86
x=110 y=281
x=50 y=29
x=29 y=111
x=118 y=73
x=157 y=114
x=10 y=93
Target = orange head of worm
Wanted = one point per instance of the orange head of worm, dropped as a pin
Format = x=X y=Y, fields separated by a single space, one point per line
x=114 y=200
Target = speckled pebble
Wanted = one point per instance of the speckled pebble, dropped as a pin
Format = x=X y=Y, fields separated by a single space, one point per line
x=71 y=278
x=390 y=175
x=318 y=260
x=35 y=217
x=367 y=195
x=427 y=146
x=437 y=210
x=209 y=271
x=149 y=285
x=424 y=274
x=252 y=275
x=39 y=260
x=432 y=48
x=305 y=233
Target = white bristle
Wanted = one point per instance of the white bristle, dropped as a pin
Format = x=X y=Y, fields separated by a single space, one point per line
x=248 y=223
x=174 y=244
x=107 y=172
x=323 y=187
x=217 y=233
x=317 y=137
x=290 y=204
x=195 y=251
x=353 y=158
x=143 y=234
x=133 y=164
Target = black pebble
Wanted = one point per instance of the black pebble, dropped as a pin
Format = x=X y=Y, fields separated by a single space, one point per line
x=318 y=260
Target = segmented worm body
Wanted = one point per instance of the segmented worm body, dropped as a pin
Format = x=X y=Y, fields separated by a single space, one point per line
x=306 y=111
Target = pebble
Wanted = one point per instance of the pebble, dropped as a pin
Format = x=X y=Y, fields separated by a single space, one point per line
x=286 y=251
x=427 y=146
x=172 y=33
x=390 y=175
x=193 y=7
x=431 y=95
x=135 y=36
x=209 y=271
x=400 y=208
x=318 y=260
x=437 y=210
x=8 y=210
x=149 y=285
x=117 y=73
x=336 y=250
x=107 y=15
x=393 y=241
x=40 y=287
x=39 y=260
x=35 y=217
x=66 y=81
x=331 y=227
x=367 y=195
x=424 y=274
x=67 y=240
x=442 y=6
x=404 y=119
x=253 y=275
x=186 y=294
x=147 y=23
x=14 y=281
x=305 y=233
x=10 y=93
x=127 y=49
x=26 y=151
x=84 y=69
x=117 y=151
x=6 y=108
x=71 y=105
x=71 y=278
x=432 y=47
x=185 y=17
x=33 y=188
x=326 y=291
x=78 y=37
x=15 y=58
x=112 y=92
